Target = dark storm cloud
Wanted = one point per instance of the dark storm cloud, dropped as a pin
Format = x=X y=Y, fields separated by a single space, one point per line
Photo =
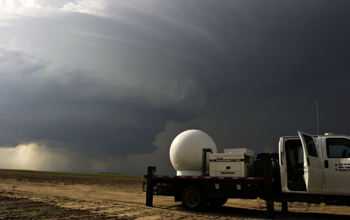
x=279 y=59
x=99 y=114
x=85 y=114
x=245 y=72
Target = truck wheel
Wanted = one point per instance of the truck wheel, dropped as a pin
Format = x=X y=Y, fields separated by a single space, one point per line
x=216 y=202
x=192 y=198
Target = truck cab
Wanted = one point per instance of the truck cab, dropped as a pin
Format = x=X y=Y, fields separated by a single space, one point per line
x=317 y=165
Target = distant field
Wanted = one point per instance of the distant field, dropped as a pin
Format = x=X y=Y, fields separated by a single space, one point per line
x=69 y=173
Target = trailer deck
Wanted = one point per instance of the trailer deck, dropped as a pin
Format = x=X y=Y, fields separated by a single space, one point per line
x=211 y=187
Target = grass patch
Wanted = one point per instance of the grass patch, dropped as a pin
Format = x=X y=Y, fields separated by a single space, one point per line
x=70 y=173
x=55 y=214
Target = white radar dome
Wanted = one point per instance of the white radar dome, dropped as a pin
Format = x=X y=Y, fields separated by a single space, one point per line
x=186 y=152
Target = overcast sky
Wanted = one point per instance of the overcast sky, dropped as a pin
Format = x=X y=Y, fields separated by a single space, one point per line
x=105 y=86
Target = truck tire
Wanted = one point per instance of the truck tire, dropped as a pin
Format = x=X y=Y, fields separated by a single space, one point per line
x=216 y=202
x=193 y=199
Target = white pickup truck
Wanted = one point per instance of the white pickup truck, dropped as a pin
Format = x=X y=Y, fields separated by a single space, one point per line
x=318 y=165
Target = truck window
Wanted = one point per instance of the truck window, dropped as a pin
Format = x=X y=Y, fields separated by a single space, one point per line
x=310 y=145
x=338 y=148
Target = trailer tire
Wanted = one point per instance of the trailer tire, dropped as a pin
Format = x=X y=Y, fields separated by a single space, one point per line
x=193 y=199
x=216 y=202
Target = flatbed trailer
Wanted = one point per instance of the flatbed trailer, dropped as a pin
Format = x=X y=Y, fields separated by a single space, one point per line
x=196 y=192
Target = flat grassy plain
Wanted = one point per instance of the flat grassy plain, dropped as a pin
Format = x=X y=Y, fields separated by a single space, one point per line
x=28 y=194
x=72 y=173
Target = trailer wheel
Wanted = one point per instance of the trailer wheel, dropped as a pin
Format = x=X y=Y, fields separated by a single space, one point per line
x=192 y=198
x=216 y=202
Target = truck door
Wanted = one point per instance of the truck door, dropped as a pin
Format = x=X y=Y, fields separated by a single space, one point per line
x=292 y=165
x=337 y=165
x=313 y=169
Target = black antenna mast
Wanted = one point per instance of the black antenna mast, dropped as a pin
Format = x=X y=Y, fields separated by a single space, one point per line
x=317 y=117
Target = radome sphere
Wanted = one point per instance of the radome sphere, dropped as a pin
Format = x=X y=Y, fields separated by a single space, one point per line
x=186 y=152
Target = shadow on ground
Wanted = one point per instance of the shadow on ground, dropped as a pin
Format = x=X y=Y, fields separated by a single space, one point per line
x=232 y=212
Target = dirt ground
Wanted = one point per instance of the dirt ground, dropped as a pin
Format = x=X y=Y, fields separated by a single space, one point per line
x=26 y=195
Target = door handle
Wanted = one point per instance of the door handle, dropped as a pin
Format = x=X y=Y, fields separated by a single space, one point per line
x=326 y=164
x=308 y=162
x=281 y=157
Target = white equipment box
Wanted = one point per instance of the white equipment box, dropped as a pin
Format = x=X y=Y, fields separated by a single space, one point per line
x=242 y=150
x=230 y=165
